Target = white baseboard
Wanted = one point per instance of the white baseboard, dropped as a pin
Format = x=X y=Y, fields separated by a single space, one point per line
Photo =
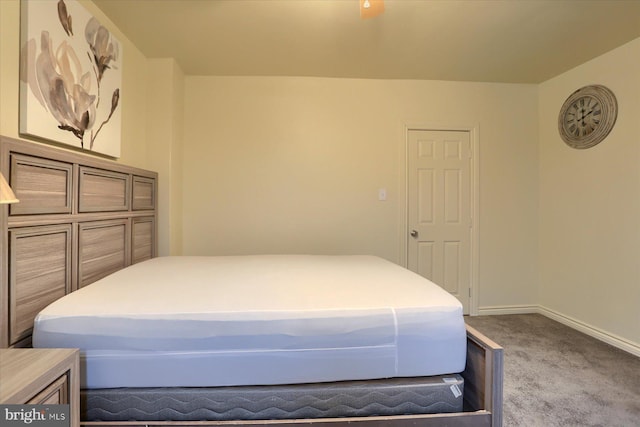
x=609 y=338
x=511 y=309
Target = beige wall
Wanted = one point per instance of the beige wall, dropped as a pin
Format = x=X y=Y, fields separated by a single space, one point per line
x=293 y=165
x=177 y=162
x=590 y=204
x=164 y=133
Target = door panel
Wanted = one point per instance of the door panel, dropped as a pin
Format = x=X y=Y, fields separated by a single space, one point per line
x=439 y=209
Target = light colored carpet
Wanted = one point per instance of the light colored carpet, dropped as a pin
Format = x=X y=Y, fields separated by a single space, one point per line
x=557 y=376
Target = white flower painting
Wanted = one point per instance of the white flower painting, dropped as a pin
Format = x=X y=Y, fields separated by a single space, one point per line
x=70 y=77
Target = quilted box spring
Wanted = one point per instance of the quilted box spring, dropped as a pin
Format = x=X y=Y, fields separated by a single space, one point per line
x=396 y=396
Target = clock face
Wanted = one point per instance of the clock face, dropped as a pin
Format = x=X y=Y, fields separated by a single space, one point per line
x=583 y=116
x=587 y=116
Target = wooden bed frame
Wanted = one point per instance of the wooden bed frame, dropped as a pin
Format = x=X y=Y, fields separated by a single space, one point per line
x=81 y=218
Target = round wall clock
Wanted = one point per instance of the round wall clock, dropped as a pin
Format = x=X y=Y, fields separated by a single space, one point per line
x=587 y=116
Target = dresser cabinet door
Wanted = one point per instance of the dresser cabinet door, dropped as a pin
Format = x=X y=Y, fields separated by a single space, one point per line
x=144 y=193
x=103 y=191
x=41 y=273
x=43 y=186
x=57 y=393
x=142 y=240
x=102 y=249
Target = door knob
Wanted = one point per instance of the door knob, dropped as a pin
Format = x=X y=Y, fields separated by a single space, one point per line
x=414 y=233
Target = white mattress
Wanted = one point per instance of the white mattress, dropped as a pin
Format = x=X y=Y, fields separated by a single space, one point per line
x=257 y=320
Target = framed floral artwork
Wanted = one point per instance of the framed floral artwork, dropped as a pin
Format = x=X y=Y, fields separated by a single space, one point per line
x=70 y=77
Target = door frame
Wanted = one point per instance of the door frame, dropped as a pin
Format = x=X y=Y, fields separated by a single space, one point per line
x=474 y=135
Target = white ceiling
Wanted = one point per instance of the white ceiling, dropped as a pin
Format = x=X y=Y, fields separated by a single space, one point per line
x=516 y=41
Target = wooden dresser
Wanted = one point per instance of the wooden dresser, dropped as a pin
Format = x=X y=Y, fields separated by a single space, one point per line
x=41 y=377
x=79 y=219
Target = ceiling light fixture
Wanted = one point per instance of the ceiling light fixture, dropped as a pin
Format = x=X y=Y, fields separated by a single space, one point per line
x=371 y=8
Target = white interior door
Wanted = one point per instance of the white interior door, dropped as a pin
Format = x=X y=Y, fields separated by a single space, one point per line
x=439 y=209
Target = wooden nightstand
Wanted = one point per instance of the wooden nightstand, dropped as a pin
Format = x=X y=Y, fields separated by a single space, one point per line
x=40 y=376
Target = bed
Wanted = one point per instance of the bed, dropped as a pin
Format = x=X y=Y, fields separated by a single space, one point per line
x=376 y=342
x=246 y=320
